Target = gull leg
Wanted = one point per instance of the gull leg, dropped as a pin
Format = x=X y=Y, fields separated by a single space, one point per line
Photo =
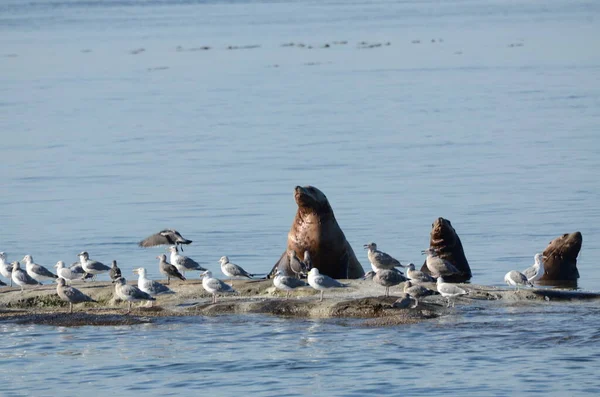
x=287 y=295
x=416 y=303
x=321 y=300
x=448 y=305
x=387 y=291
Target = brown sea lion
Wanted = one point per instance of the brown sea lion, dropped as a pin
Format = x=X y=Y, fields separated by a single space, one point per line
x=560 y=259
x=447 y=243
x=316 y=230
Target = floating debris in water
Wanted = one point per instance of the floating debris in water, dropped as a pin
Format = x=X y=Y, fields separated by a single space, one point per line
x=516 y=45
x=343 y=42
x=416 y=41
x=137 y=51
x=158 y=68
x=243 y=47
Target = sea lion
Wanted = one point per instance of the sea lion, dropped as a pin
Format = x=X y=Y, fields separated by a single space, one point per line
x=316 y=230
x=560 y=259
x=448 y=246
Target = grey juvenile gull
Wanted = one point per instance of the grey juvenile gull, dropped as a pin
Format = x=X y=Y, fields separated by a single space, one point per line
x=70 y=294
x=5 y=267
x=76 y=268
x=183 y=263
x=535 y=272
x=37 y=272
x=438 y=266
x=68 y=273
x=168 y=270
x=379 y=259
x=150 y=287
x=215 y=286
x=307 y=260
x=405 y=301
x=449 y=291
x=130 y=293
x=417 y=291
x=287 y=283
x=417 y=275
x=387 y=278
x=165 y=237
x=296 y=265
x=515 y=278
x=114 y=272
x=232 y=270
x=90 y=266
x=20 y=277
x=321 y=282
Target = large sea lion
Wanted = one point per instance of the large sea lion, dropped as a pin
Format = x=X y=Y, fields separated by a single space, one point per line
x=316 y=230
x=447 y=243
x=560 y=259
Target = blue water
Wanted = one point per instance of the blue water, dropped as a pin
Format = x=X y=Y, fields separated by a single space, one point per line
x=493 y=127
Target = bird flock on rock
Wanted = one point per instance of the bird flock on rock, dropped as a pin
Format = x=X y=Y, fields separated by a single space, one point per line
x=385 y=271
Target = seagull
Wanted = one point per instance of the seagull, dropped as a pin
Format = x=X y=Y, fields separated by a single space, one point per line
x=287 y=283
x=165 y=237
x=405 y=301
x=37 y=272
x=130 y=293
x=70 y=294
x=417 y=275
x=183 y=263
x=417 y=291
x=91 y=267
x=114 y=272
x=20 y=276
x=150 y=287
x=449 y=291
x=535 y=272
x=297 y=266
x=232 y=270
x=379 y=259
x=76 y=268
x=5 y=267
x=321 y=282
x=68 y=273
x=307 y=260
x=437 y=266
x=515 y=278
x=214 y=285
x=387 y=278
x=168 y=270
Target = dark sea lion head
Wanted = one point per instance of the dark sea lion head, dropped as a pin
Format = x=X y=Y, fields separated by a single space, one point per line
x=442 y=231
x=311 y=199
x=566 y=246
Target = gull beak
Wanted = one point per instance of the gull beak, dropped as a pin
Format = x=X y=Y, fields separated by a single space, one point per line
x=423 y=252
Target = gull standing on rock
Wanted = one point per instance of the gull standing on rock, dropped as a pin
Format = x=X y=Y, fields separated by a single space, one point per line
x=5 y=267
x=76 y=268
x=405 y=301
x=321 y=282
x=417 y=291
x=386 y=278
x=437 y=266
x=449 y=291
x=298 y=267
x=287 y=283
x=130 y=293
x=91 y=267
x=150 y=287
x=37 y=272
x=535 y=272
x=379 y=259
x=183 y=263
x=20 y=277
x=168 y=270
x=215 y=286
x=417 y=275
x=165 y=237
x=67 y=273
x=70 y=294
x=114 y=272
x=232 y=270
x=515 y=278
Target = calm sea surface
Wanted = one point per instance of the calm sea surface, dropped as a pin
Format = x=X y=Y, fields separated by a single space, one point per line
x=114 y=124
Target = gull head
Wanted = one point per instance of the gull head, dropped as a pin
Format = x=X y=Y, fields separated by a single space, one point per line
x=59 y=265
x=173 y=249
x=313 y=272
x=83 y=255
x=140 y=271
x=224 y=260
x=411 y=267
x=370 y=246
x=27 y=259
x=162 y=257
x=206 y=274
x=3 y=256
x=120 y=281
x=16 y=265
x=61 y=281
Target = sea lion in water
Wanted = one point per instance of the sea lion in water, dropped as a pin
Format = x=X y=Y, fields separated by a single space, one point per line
x=560 y=259
x=448 y=246
x=316 y=230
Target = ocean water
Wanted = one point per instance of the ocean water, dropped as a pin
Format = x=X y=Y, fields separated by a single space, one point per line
x=116 y=124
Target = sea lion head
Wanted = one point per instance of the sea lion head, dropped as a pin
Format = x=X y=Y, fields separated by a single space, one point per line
x=566 y=246
x=443 y=232
x=311 y=199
